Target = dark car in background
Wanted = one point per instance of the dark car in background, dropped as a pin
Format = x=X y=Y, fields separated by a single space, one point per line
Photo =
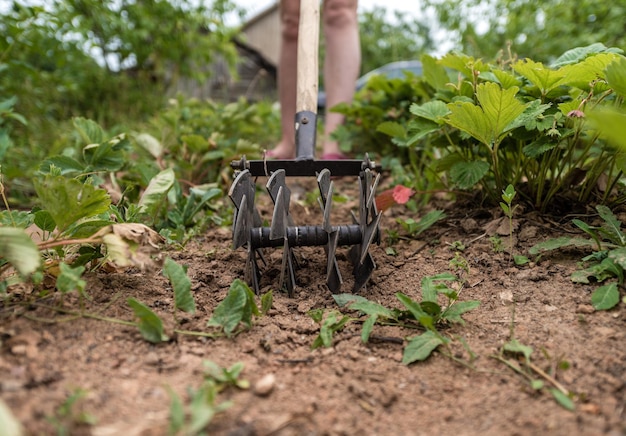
x=392 y=70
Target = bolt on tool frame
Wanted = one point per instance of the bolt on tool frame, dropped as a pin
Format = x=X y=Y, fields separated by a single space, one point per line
x=248 y=229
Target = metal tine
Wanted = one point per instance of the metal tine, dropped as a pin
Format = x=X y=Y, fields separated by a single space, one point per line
x=278 y=228
x=325 y=185
x=274 y=183
x=242 y=193
x=252 y=274
x=370 y=232
x=371 y=204
x=281 y=219
x=363 y=271
x=241 y=227
x=333 y=276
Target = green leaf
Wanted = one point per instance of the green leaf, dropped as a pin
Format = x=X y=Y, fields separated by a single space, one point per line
x=583 y=73
x=430 y=287
x=520 y=260
x=578 y=54
x=420 y=347
x=505 y=78
x=428 y=220
x=611 y=122
x=107 y=156
x=69 y=200
x=177 y=413
x=618 y=256
x=556 y=243
x=453 y=312
x=16 y=218
x=70 y=279
x=514 y=346
x=334 y=322
x=467 y=174
x=345 y=299
x=616 y=76
x=368 y=326
x=44 y=221
x=150 y=325
x=537 y=148
x=537 y=384
x=87 y=228
x=434 y=110
x=89 y=130
x=605 y=297
x=600 y=272
x=237 y=307
x=563 y=400
x=612 y=225
x=154 y=195
x=316 y=315
x=266 y=302
x=545 y=78
x=181 y=284
x=434 y=74
x=490 y=121
x=531 y=114
x=391 y=128
x=150 y=144
x=372 y=308
x=66 y=164
x=19 y=250
x=413 y=306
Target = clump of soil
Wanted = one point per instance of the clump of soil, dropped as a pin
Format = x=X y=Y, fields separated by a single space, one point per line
x=350 y=388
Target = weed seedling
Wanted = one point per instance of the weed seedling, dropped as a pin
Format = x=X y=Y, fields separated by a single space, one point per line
x=69 y=416
x=509 y=210
x=426 y=314
x=203 y=404
x=517 y=356
x=607 y=261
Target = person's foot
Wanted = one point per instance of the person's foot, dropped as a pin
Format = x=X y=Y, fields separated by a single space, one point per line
x=334 y=156
x=279 y=153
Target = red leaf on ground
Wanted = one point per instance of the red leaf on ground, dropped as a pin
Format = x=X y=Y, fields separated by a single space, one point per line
x=397 y=195
x=402 y=194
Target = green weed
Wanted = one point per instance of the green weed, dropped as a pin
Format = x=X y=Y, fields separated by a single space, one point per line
x=607 y=261
x=69 y=416
x=238 y=308
x=203 y=402
x=517 y=356
x=426 y=314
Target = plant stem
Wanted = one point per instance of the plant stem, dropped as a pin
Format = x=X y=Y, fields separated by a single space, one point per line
x=548 y=377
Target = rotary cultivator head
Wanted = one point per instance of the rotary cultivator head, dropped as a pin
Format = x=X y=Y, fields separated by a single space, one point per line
x=249 y=232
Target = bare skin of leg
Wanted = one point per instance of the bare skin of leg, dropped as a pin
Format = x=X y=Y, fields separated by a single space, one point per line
x=342 y=62
x=341 y=68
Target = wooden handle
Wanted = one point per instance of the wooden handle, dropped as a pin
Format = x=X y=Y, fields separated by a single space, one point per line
x=308 y=41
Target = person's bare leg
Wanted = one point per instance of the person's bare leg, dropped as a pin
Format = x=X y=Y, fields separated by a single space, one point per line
x=342 y=63
x=287 y=76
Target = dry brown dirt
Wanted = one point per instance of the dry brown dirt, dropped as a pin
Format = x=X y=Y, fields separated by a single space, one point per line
x=352 y=387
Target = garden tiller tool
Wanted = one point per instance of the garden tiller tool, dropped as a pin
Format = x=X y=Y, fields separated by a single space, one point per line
x=248 y=228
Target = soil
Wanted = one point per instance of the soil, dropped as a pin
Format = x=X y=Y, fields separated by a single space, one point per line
x=351 y=387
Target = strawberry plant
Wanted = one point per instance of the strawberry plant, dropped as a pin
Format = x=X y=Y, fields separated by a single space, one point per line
x=522 y=123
